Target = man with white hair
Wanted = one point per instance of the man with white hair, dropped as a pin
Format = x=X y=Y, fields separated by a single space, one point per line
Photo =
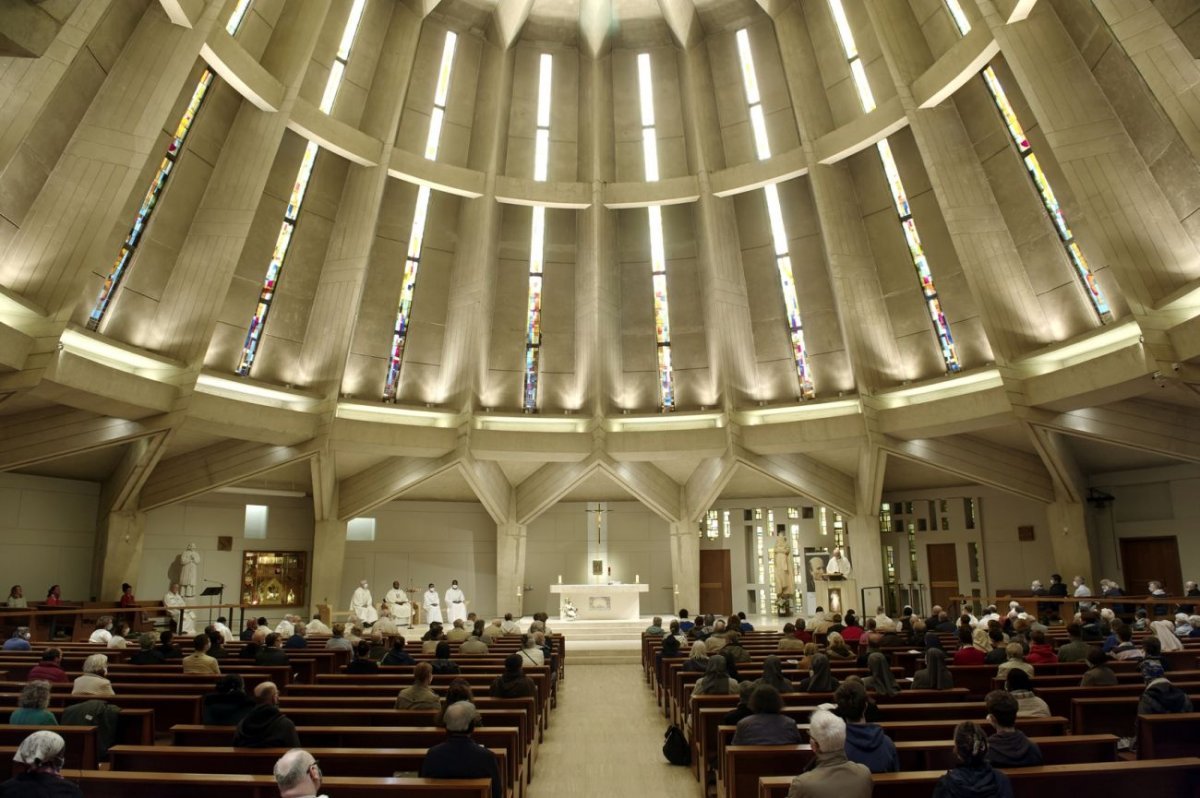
x=361 y=606
x=298 y=775
x=460 y=757
x=883 y=621
x=831 y=775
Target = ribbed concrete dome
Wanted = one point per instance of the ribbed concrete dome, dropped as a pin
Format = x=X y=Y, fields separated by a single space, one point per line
x=526 y=251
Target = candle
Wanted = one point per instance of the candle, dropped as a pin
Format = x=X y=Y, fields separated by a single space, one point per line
x=560 y=579
x=637 y=579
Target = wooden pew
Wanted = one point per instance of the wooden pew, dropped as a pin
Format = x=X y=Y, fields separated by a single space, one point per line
x=1174 y=777
x=368 y=737
x=1168 y=736
x=114 y=784
x=359 y=762
x=1108 y=715
x=743 y=765
x=82 y=743
x=1059 y=698
x=134 y=726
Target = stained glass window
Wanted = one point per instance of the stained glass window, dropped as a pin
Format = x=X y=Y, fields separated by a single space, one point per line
x=1041 y=183
x=291 y=214
x=158 y=183
x=933 y=304
x=541 y=162
x=658 y=257
x=416 y=235
x=783 y=262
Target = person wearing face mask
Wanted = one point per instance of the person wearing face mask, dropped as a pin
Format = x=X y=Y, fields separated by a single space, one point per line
x=456 y=603
x=431 y=605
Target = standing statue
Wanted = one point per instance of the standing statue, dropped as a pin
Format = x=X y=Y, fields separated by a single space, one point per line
x=785 y=571
x=189 y=574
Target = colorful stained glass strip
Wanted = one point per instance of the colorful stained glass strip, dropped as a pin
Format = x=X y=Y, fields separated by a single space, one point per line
x=1049 y=201
x=1006 y=110
x=532 y=356
x=666 y=376
x=895 y=185
x=150 y=201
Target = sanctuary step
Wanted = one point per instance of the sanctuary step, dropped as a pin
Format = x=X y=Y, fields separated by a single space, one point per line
x=602 y=642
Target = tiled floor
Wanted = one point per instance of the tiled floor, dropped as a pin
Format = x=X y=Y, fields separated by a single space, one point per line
x=605 y=740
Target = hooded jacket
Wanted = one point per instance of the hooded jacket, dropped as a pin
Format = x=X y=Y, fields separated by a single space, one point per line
x=266 y=727
x=1041 y=652
x=1163 y=698
x=225 y=709
x=1013 y=750
x=868 y=745
x=973 y=782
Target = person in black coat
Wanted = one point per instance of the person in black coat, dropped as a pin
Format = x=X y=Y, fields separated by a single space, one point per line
x=265 y=726
x=460 y=757
x=229 y=704
x=271 y=653
x=362 y=662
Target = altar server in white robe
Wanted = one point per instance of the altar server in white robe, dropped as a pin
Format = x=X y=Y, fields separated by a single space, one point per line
x=431 y=605
x=456 y=603
x=398 y=604
x=175 y=601
x=361 y=606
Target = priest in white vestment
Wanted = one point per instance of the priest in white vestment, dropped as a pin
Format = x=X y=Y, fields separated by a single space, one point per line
x=318 y=627
x=838 y=564
x=177 y=604
x=398 y=604
x=361 y=606
x=456 y=603
x=431 y=605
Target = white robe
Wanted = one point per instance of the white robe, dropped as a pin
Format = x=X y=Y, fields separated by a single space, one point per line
x=398 y=604
x=318 y=627
x=456 y=605
x=838 y=566
x=226 y=633
x=174 y=601
x=285 y=628
x=430 y=605
x=362 y=607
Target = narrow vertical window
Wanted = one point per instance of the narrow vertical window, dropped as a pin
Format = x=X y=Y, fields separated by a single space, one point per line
x=416 y=237
x=537 y=236
x=158 y=183
x=933 y=303
x=658 y=256
x=291 y=214
x=1016 y=134
x=783 y=260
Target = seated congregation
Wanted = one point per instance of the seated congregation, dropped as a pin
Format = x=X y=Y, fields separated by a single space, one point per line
x=458 y=713
x=994 y=704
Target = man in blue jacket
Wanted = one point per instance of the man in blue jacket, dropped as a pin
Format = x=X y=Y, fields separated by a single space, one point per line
x=460 y=757
x=865 y=742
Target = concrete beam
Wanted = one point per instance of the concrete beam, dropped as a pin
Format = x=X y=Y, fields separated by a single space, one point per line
x=379 y=485
x=41 y=435
x=1169 y=430
x=806 y=476
x=188 y=475
x=979 y=462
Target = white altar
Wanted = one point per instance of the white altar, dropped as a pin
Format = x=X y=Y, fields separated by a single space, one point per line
x=602 y=602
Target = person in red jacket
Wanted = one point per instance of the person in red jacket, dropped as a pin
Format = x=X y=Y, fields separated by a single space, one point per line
x=1040 y=651
x=49 y=669
x=53 y=596
x=969 y=653
x=127 y=599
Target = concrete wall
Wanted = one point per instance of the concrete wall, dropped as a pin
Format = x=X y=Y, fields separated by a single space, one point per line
x=637 y=546
x=49 y=531
x=1153 y=502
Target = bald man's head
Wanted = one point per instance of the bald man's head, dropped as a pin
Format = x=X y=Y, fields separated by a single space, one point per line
x=297 y=774
x=266 y=693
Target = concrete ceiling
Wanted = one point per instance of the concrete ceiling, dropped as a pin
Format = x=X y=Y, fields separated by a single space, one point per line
x=1097 y=457
x=92 y=466
x=902 y=474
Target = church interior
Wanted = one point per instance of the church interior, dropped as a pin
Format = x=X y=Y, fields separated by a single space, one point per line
x=601 y=310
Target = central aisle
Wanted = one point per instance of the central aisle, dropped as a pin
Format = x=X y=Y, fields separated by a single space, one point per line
x=605 y=739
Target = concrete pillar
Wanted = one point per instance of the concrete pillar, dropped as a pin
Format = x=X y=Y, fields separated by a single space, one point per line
x=48 y=262
x=1067 y=522
x=866 y=324
x=118 y=555
x=468 y=317
x=999 y=287
x=723 y=280
x=510 y=567
x=685 y=566
x=340 y=287
x=1119 y=196
x=195 y=293
x=329 y=558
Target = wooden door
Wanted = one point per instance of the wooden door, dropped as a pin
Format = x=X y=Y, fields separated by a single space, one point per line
x=716 y=583
x=942 y=559
x=1143 y=559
